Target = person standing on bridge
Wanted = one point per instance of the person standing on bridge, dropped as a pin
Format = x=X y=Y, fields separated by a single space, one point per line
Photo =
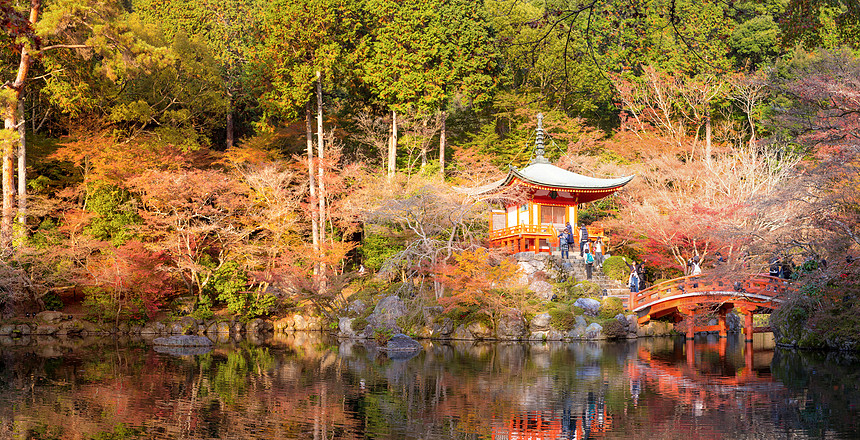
x=633 y=282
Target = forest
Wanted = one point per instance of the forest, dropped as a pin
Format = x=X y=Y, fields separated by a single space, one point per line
x=261 y=156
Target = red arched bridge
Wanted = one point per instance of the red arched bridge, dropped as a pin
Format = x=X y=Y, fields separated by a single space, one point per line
x=687 y=297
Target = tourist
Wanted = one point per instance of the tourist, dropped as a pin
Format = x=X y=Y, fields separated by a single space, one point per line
x=568 y=228
x=589 y=262
x=598 y=253
x=583 y=240
x=564 y=243
x=633 y=282
x=695 y=269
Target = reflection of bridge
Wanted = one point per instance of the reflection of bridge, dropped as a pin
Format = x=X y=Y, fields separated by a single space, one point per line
x=690 y=383
x=687 y=297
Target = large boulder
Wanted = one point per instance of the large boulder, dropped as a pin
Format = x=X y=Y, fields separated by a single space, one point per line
x=183 y=341
x=257 y=326
x=344 y=326
x=511 y=325
x=401 y=347
x=50 y=317
x=540 y=322
x=590 y=305
x=594 y=331
x=443 y=328
x=358 y=307
x=284 y=324
x=542 y=290
x=387 y=311
x=479 y=330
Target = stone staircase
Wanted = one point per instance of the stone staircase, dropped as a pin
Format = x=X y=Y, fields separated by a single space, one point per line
x=613 y=288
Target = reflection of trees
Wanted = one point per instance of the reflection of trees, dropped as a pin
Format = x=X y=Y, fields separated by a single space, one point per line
x=300 y=387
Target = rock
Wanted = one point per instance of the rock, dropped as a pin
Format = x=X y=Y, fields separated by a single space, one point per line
x=479 y=330
x=594 y=331
x=461 y=333
x=183 y=341
x=6 y=329
x=538 y=336
x=23 y=330
x=542 y=290
x=358 y=307
x=153 y=328
x=527 y=267
x=655 y=328
x=237 y=328
x=540 y=322
x=580 y=321
x=184 y=305
x=313 y=323
x=182 y=350
x=591 y=306
x=300 y=323
x=284 y=324
x=257 y=326
x=444 y=328
x=401 y=342
x=577 y=332
x=387 y=311
x=555 y=335
x=46 y=329
x=219 y=327
x=632 y=325
x=511 y=325
x=344 y=325
x=50 y=317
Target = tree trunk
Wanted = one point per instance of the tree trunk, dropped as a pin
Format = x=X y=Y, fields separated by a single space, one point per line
x=311 y=181
x=22 y=167
x=320 y=159
x=392 y=147
x=442 y=146
x=10 y=124
x=708 y=138
x=229 y=129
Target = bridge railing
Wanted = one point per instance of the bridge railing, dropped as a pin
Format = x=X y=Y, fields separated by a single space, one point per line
x=755 y=284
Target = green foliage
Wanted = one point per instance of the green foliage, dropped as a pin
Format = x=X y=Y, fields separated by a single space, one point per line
x=102 y=305
x=376 y=249
x=52 y=301
x=116 y=212
x=614 y=329
x=611 y=307
x=359 y=323
x=586 y=289
x=203 y=308
x=563 y=316
x=120 y=432
x=229 y=283
x=616 y=267
x=382 y=335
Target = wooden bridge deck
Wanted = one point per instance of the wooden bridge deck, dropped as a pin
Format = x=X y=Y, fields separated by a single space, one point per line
x=686 y=297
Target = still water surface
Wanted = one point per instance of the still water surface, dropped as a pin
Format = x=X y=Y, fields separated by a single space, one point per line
x=305 y=386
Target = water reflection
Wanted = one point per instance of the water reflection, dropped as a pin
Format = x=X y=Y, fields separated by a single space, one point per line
x=305 y=386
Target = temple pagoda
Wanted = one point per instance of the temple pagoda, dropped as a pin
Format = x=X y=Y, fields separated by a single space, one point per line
x=552 y=197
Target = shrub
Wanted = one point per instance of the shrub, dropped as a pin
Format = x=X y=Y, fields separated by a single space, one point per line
x=359 y=324
x=562 y=318
x=587 y=289
x=611 y=307
x=52 y=301
x=614 y=329
x=376 y=248
x=116 y=211
x=616 y=267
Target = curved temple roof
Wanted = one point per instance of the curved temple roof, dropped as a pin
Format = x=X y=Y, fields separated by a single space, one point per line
x=550 y=177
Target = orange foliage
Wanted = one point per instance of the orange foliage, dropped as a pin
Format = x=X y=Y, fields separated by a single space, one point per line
x=478 y=278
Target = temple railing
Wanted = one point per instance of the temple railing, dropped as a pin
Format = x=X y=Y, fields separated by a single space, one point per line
x=762 y=286
x=514 y=231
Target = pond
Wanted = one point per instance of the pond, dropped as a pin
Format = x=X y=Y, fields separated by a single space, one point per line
x=307 y=386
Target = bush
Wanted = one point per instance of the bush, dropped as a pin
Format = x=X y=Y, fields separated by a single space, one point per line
x=587 y=289
x=376 y=248
x=52 y=301
x=614 y=329
x=616 y=268
x=562 y=318
x=611 y=307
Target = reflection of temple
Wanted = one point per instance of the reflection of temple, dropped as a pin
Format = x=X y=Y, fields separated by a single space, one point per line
x=554 y=426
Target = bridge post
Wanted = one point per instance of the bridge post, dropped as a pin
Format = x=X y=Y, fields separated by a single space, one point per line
x=689 y=313
x=721 y=321
x=747 y=310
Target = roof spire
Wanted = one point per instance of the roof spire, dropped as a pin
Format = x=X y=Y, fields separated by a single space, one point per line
x=539 y=142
